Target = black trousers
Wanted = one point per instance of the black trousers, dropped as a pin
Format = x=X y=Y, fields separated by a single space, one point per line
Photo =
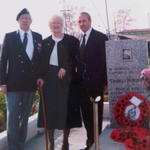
x=87 y=114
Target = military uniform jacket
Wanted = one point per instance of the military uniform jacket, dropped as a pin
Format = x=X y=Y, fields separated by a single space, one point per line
x=17 y=71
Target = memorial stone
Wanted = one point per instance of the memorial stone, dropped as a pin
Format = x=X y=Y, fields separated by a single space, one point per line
x=125 y=60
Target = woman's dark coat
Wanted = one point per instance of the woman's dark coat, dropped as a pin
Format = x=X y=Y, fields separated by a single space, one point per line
x=67 y=52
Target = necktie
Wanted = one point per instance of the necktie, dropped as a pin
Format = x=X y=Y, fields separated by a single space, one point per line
x=82 y=47
x=25 y=40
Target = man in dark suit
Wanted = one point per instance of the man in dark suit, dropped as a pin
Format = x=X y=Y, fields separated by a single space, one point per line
x=19 y=77
x=92 y=71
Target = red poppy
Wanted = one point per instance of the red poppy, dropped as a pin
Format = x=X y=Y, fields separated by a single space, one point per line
x=129 y=144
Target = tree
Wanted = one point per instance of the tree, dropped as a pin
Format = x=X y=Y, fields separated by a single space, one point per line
x=70 y=21
x=122 y=20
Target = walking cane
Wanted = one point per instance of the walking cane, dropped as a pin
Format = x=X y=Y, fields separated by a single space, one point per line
x=95 y=121
x=44 y=116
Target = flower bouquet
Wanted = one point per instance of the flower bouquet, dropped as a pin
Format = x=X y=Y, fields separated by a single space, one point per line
x=145 y=76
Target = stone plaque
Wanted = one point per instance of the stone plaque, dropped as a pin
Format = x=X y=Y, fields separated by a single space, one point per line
x=125 y=60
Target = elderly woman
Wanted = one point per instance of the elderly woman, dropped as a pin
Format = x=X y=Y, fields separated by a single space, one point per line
x=61 y=89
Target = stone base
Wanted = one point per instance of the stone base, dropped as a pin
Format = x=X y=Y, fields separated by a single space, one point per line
x=106 y=143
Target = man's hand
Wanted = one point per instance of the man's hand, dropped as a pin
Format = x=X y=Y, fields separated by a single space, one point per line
x=92 y=99
x=61 y=73
x=3 y=89
x=106 y=88
x=40 y=82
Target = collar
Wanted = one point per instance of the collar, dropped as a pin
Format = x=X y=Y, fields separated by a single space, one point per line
x=56 y=39
x=88 y=32
x=22 y=32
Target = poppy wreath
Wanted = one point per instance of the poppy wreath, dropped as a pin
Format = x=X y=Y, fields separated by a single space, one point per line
x=127 y=132
x=131 y=110
x=142 y=143
x=134 y=138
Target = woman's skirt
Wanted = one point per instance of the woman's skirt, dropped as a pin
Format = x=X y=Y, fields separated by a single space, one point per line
x=57 y=97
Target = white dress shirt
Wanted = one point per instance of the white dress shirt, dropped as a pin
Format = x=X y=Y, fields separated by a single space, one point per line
x=54 y=55
x=87 y=36
x=29 y=47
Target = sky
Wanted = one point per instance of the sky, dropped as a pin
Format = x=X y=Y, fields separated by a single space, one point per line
x=42 y=10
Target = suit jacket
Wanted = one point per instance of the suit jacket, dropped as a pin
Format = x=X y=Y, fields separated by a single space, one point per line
x=93 y=69
x=17 y=71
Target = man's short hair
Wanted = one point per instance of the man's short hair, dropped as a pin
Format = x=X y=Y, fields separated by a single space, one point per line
x=86 y=14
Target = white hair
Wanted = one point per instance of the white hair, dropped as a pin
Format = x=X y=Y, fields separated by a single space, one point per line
x=57 y=17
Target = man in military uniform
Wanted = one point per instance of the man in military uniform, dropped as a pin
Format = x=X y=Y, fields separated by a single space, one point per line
x=19 y=77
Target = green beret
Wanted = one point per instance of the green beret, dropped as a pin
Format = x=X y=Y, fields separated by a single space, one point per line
x=23 y=11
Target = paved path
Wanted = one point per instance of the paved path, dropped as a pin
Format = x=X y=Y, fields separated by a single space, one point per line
x=77 y=140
